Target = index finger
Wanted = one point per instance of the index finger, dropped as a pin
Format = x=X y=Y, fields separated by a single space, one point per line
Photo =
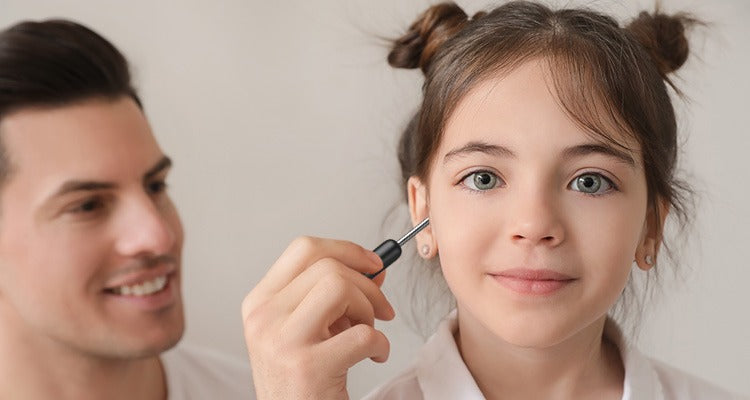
x=305 y=251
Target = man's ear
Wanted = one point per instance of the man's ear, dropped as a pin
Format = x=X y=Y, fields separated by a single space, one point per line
x=651 y=238
x=419 y=209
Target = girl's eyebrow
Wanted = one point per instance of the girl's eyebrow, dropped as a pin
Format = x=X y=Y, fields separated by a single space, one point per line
x=586 y=149
x=577 y=151
x=479 y=147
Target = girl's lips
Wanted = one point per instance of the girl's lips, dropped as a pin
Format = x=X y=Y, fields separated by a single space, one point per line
x=532 y=281
x=533 y=274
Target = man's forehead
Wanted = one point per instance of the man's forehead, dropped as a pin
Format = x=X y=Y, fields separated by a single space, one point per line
x=96 y=139
x=84 y=115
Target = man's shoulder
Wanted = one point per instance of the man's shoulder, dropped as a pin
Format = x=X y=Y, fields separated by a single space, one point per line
x=194 y=372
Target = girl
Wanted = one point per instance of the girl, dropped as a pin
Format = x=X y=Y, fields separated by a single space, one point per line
x=544 y=155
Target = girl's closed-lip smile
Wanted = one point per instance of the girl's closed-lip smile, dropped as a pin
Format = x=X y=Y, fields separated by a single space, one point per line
x=532 y=281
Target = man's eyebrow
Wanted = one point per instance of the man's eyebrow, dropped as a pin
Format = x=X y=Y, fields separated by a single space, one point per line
x=479 y=147
x=599 y=148
x=85 y=186
x=163 y=164
x=90 y=186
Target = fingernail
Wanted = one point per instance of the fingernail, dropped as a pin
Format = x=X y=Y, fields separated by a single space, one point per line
x=375 y=258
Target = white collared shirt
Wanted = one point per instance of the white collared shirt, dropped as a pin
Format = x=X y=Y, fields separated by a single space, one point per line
x=195 y=373
x=440 y=373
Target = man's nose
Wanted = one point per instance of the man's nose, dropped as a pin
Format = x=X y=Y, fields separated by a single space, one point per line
x=145 y=229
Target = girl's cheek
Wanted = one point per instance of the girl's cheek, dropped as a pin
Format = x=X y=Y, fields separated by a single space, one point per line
x=463 y=244
x=461 y=219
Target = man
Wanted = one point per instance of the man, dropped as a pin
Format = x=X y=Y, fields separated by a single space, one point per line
x=90 y=241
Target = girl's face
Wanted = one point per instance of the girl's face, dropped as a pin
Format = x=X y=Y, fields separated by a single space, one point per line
x=536 y=222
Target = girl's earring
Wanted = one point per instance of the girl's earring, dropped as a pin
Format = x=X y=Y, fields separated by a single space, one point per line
x=425 y=250
x=649 y=260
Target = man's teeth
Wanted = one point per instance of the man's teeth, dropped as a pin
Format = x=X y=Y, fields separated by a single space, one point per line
x=144 y=288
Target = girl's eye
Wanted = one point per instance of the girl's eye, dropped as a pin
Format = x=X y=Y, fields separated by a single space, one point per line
x=481 y=180
x=591 y=184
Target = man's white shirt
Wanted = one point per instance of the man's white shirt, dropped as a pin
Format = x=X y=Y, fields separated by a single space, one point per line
x=194 y=373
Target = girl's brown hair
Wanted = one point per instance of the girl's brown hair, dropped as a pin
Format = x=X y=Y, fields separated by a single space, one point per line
x=611 y=80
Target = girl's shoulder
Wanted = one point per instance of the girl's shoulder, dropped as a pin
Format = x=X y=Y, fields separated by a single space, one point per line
x=678 y=384
x=648 y=378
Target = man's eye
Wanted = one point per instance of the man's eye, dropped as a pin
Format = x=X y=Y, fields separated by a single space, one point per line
x=156 y=187
x=481 y=181
x=590 y=183
x=88 y=206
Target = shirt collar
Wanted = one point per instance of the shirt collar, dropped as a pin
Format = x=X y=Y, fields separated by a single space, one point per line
x=442 y=374
x=441 y=371
x=641 y=381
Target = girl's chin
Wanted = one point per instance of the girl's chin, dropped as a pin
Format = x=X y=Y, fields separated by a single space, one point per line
x=540 y=331
x=529 y=332
x=531 y=338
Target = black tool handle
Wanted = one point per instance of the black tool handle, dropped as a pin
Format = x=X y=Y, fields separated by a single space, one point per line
x=388 y=251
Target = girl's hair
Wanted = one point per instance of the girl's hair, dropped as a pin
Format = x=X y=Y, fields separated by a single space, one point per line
x=611 y=80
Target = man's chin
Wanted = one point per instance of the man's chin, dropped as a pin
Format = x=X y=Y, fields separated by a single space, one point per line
x=143 y=346
x=142 y=339
x=156 y=348
x=157 y=341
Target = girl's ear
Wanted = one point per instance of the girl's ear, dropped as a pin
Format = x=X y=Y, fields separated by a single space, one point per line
x=652 y=235
x=419 y=209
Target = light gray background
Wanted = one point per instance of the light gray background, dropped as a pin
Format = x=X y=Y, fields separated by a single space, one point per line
x=282 y=118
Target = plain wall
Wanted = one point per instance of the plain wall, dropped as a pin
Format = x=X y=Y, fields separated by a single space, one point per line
x=282 y=118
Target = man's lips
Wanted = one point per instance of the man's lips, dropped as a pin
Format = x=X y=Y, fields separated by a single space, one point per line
x=141 y=275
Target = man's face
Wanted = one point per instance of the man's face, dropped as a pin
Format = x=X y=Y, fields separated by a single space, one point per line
x=90 y=242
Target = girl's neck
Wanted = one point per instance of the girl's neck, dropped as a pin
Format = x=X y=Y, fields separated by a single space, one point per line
x=583 y=366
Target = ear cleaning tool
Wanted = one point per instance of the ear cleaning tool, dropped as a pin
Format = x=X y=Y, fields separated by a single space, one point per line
x=390 y=250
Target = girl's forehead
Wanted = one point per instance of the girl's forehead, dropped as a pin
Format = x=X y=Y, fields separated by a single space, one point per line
x=523 y=107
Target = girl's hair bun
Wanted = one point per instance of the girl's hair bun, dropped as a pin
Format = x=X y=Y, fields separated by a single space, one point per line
x=664 y=38
x=416 y=48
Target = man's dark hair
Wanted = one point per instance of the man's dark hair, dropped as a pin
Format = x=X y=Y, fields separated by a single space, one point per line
x=57 y=62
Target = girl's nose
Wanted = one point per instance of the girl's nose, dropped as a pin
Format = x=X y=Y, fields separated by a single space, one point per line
x=535 y=219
